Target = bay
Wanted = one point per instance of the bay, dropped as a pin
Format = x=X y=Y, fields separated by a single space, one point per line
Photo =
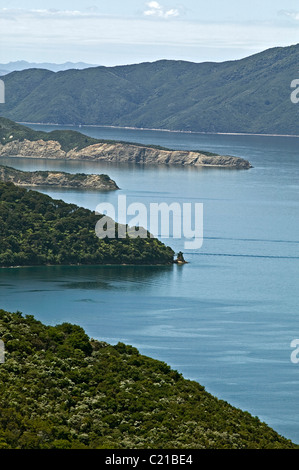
x=228 y=317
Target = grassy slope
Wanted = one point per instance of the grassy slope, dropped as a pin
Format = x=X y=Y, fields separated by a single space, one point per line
x=249 y=95
x=59 y=389
x=10 y=131
x=68 y=139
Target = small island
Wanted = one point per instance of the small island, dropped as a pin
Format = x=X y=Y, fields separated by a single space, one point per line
x=180 y=259
x=58 y=179
x=18 y=140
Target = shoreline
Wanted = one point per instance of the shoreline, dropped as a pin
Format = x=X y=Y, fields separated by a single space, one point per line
x=157 y=130
x=90 y=265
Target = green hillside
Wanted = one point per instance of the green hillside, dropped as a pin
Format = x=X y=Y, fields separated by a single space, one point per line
x=249 y=95
x=69 y=140
x=38 y=230
x=10 y=131
x=59 y=389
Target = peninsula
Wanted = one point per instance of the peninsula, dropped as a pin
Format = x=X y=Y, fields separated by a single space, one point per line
x=37 y=230
x=57 y=179
x=21 y=141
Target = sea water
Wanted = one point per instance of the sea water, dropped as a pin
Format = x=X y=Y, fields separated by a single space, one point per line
x=228 y=317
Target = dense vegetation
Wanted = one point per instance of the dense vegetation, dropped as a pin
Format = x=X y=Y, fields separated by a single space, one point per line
x=248 y=95
x=61 y=389
x=38 y=230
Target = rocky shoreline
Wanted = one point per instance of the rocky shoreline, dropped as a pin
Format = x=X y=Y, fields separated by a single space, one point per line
x=119 y=152
x=57 y=179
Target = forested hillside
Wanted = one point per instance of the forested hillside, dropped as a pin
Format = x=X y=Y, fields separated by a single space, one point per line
x=59 y=389
x=38 y=230
x=251 y=95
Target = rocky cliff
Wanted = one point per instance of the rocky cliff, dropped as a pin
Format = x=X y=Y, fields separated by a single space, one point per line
x=119 y=153
x=57 y=179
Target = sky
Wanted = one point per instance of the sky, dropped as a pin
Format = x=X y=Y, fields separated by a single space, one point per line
x=118 y=32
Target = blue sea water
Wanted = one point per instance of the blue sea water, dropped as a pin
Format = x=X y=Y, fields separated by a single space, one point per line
x=228 y=317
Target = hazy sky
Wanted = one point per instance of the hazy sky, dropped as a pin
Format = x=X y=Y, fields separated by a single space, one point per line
x=112 y=32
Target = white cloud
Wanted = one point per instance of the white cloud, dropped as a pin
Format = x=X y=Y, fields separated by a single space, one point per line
x=172 y=12
x=60 y=35
x=48 y=14
x=154 y=5
x=157 y=10
x=293 y=15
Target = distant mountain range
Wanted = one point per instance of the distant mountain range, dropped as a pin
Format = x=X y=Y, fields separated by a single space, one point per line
x=251 y=95
x=23 y=65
